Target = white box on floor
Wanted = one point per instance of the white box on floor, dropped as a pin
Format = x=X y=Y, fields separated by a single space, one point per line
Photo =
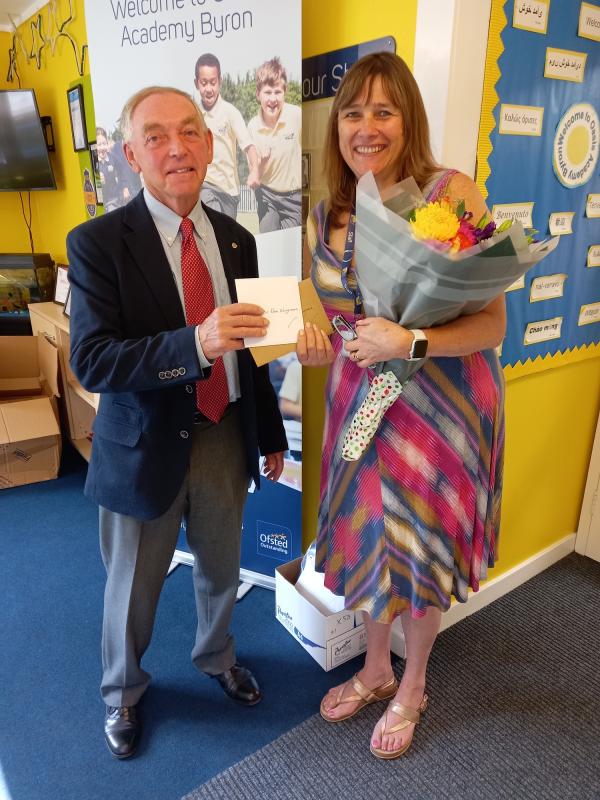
x=331 y=639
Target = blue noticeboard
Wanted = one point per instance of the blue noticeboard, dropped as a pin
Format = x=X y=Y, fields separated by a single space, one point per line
x=523 y=168
x=321 y=75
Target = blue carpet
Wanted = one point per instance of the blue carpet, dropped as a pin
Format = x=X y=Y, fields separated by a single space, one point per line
x=51 y=741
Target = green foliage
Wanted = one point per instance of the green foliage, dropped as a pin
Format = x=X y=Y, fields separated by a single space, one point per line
x=241 y=94
x=530 y=235
x=529 y=232
x=293 y=94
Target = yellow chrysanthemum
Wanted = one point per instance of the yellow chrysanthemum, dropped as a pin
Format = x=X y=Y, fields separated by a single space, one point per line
x=435 y=221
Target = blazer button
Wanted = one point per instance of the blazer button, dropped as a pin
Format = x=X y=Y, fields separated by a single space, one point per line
x=168 y=373
x=182 y=370
x=189 y=389
x=184 y=434
x=161 y=376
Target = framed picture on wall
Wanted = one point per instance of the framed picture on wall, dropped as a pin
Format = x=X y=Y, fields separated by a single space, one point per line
x=77 y=116
x=61 y=286
x=305 y=172
x=305 y=209
x=67 y=306
x=96 y=173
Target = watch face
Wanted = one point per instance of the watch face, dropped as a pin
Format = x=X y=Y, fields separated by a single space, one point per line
x=419 y=348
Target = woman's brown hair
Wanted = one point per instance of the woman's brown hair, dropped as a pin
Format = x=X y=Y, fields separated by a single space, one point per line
x=399 y=85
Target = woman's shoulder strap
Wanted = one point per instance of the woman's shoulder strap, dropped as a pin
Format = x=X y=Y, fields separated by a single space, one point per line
x=315 y=224
x=438 y=184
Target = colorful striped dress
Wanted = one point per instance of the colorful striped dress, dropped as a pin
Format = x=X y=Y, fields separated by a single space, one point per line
x=415 y=519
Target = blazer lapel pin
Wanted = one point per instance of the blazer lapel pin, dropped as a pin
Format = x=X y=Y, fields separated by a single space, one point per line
x=234 y=245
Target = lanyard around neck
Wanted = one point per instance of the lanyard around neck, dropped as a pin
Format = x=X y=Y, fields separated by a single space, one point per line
x=347 y=260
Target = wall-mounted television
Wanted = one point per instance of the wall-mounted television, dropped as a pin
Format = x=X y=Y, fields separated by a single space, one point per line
x=24 y=160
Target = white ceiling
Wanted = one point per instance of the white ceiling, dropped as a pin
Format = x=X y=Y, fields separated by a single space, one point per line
x=19 y=10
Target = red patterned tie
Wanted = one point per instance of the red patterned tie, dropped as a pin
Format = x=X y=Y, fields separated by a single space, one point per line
x=212 y=394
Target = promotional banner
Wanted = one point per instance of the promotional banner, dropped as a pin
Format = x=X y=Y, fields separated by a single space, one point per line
x=543 y=154
x=230 y=56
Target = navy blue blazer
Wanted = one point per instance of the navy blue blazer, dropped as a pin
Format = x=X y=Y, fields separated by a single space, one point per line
x=130 y=343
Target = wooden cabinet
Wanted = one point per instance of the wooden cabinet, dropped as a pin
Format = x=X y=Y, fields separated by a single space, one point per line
x=47 y=319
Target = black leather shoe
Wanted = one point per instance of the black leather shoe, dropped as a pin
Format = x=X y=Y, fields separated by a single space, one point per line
x=240 y=684
x=121 y=730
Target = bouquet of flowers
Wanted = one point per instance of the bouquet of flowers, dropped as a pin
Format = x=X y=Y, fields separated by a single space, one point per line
x=424 y=264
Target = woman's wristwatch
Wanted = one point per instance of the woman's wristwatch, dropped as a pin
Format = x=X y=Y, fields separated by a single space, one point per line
x=418 y=348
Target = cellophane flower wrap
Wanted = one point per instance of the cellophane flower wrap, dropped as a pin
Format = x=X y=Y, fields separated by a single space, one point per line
x=423 y=265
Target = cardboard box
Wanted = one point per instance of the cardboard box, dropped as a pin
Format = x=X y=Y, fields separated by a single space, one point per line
x=30 y=442
x=330 y=639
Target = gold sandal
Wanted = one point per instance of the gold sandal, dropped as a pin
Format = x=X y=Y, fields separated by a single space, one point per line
x=363 y=696
x=409 y=716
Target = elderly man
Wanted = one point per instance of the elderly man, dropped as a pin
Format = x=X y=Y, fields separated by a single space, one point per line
x=183 y=409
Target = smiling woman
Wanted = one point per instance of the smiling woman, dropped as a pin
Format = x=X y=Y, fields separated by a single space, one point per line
x=385 y=94
x=371 y=134
x=415 y=520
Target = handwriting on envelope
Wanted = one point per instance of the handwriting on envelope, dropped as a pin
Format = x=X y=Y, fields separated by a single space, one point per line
x=280 y=299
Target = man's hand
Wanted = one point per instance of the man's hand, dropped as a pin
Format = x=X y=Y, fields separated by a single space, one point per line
x=227 y=326
x=273 y=466
x=313 y=347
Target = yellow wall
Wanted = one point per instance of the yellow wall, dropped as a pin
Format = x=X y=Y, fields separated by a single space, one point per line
x=551 y=415
x=551 y=419
x=54 y=212
x=342 y=23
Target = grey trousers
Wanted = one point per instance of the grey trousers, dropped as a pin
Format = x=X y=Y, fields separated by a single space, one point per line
x=137 y=555
x=277 y=210
x=219 y=200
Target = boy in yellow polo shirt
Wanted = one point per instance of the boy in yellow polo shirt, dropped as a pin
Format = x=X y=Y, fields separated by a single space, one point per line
x=276 y=131
x=221 y=188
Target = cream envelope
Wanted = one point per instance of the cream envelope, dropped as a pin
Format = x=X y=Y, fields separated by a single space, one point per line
x=312 y=311
x=280 y=299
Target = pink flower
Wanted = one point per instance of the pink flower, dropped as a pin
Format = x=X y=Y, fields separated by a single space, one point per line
x=466 y=236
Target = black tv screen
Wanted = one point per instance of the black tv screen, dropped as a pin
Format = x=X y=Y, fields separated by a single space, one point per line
x=24 y=160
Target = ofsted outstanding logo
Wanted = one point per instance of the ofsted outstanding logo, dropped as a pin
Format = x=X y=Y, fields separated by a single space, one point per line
x=273 y=541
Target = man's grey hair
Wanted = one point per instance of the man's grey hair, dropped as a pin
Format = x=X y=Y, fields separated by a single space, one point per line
x=135 y=99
